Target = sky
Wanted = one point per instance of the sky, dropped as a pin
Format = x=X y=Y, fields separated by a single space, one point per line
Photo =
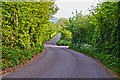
x=66 y=7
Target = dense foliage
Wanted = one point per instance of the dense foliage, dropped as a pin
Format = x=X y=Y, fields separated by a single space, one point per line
x=65 y=38
x=25 y=26
x=98 y=34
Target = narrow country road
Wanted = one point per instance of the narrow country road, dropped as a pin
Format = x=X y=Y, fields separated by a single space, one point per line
x=61 y=62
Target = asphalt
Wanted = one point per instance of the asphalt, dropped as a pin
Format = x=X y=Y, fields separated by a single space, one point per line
x=61 y=62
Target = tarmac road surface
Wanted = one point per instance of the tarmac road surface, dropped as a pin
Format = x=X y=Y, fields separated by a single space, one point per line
x=61 y=62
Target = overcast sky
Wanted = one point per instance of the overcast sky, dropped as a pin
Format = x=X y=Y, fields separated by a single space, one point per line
x=66 y=7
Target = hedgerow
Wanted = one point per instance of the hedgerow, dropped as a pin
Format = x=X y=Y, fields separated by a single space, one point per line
x=25 y=26
x=98 y=34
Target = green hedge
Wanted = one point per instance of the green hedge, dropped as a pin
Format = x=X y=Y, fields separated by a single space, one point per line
x=25 y=26
x=98 y=34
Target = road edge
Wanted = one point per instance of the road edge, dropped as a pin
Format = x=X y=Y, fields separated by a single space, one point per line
x=97 y=60
x=13 y=69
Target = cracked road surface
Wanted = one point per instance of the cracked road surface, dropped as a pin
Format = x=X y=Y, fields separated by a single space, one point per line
x=61 y=62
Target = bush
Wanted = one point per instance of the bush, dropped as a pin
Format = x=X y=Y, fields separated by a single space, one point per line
x=63 y=43
x=25 y=26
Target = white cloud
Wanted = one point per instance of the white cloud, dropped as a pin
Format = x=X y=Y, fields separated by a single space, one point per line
x=66 y=7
